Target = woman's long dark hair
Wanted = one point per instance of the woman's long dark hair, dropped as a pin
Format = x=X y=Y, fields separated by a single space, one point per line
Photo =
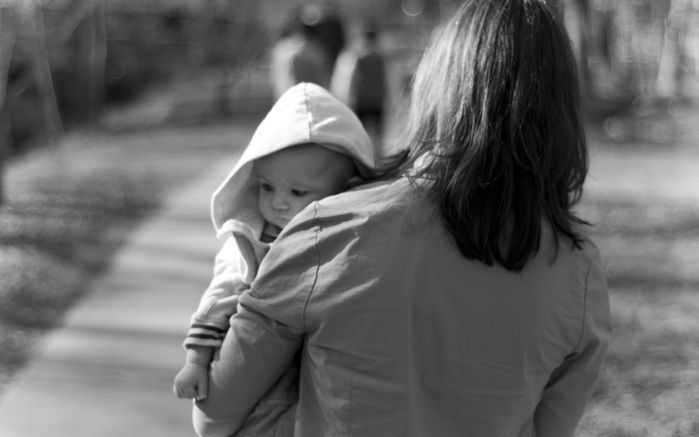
x=494 y=114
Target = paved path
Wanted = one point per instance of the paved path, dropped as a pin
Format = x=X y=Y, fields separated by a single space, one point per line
x=108 y=372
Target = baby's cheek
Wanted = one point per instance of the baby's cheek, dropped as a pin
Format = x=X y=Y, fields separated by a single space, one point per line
x=301 y=206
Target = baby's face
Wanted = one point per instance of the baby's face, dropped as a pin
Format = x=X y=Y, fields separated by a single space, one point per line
x=292 y=178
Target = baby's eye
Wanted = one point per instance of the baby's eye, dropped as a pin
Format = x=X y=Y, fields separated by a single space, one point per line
x=299 y=193
x=264 y=186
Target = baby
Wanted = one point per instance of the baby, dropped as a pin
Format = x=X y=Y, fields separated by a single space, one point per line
x=309 y=146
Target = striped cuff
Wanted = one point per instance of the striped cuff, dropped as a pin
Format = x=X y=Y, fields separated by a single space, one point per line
x=204 y=335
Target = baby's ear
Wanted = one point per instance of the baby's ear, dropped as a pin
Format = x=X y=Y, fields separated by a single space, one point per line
x=353 y=182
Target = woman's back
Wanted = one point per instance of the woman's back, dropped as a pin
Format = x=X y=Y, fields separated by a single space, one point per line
x=410 y=338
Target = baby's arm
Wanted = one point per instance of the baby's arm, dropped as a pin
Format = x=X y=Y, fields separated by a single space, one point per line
x=218 y=303
x=209 y=324
x=192 y=381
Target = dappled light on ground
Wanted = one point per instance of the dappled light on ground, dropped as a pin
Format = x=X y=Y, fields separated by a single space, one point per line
x=643 y=199
x=70 y=206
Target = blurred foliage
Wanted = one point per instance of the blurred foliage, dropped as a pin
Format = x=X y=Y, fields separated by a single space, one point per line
x=70 y=208
x=643 y=198
x=631 y=49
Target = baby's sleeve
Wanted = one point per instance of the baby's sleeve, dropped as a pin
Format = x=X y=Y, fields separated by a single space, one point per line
x=210 y=321
x=264 y=335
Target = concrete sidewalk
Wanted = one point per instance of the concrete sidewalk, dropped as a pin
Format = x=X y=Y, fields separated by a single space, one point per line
x=108 y=371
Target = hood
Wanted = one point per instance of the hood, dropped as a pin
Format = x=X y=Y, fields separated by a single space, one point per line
x=306 y=113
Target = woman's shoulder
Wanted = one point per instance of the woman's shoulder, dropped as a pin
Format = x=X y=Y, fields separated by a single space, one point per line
x=584 y=258
x=587 y=249
x=370 y=206
x=378 y=198
x=596 y=271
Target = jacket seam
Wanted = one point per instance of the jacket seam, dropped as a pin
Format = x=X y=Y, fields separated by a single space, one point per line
x=317 y=272
x=349 y=407
x=584 y=314
x=309 y=114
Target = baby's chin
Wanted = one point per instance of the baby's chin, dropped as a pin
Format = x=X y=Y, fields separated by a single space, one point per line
x=281 y=225
x=278 y=223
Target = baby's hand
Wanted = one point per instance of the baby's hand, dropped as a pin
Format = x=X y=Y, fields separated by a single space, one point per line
x=192 y=382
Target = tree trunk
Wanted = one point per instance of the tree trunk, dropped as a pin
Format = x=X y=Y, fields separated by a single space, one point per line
x=575 y=15
x=92 y=58
x=7 y=41
x=667 y=81
x=33 y=23
x=235 y=44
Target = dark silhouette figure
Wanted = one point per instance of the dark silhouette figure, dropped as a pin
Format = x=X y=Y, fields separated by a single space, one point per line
x=359 y=79
x=298 y=56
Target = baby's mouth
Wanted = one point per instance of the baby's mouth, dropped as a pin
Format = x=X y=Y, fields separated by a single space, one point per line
x=280 y=222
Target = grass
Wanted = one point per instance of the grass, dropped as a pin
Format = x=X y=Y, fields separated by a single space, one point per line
x=644 y=201
x=71 y=205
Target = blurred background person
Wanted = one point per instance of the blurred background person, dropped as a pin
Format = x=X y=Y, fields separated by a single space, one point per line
x=298 y=55
x=359 y=79
x=331 y=33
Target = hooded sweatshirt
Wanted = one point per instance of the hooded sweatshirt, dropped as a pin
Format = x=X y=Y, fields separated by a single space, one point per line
x=306 y=113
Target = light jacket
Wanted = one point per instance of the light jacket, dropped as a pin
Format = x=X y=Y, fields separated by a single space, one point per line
x=306 y=113
x=400 y=335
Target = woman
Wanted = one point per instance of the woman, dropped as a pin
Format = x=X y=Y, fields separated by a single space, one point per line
x=461 y=298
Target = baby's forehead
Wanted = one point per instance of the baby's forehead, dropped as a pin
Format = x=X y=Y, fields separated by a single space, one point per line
x=308 y=151
x=309 y=157
x=297 y=174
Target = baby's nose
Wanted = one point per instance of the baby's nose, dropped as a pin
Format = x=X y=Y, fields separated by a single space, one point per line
x=280 y=203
